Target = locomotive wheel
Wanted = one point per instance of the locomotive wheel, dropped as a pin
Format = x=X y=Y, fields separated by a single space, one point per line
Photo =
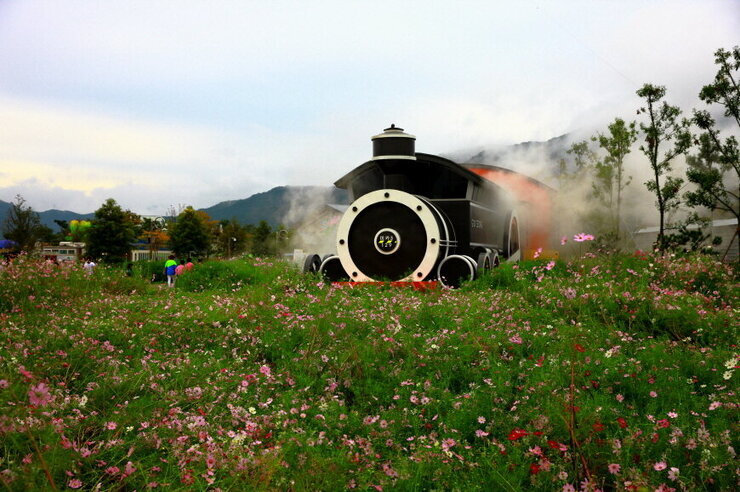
x=456 y=269
x=512 y=248
x=311 y=264
x=332 y=269
x=484 y=264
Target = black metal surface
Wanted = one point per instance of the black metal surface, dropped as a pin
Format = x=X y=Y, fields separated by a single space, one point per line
x=393 y=146
x=311 y=264
x=412 y=239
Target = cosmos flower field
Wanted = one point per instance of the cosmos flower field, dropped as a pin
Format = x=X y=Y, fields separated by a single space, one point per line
x=603 y=373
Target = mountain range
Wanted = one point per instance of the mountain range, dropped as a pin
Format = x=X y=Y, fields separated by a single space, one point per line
x=48 y=217
x=285 y=205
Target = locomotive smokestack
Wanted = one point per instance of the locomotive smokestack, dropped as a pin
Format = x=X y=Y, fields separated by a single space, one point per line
x=393 y=143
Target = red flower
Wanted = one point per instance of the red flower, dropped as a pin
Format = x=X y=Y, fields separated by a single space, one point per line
x=580 y=348
x=622 y=422
x=598 y=427
x=663 y=423
x=534 y=468
x=517 y=434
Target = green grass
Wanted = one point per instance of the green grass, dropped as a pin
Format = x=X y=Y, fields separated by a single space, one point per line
x=249 y=375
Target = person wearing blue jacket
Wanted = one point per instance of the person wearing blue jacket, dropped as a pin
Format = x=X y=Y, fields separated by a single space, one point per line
x=169 y=270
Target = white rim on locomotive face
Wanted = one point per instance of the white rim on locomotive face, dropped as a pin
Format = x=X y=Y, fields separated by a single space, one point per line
x=422 y=210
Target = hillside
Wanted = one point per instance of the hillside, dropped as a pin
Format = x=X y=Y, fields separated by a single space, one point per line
x=286 y=205
x=48 y=217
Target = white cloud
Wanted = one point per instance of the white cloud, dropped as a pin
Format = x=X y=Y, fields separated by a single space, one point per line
x=158 y=103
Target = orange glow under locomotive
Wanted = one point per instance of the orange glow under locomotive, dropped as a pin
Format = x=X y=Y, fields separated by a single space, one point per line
x=535 y=207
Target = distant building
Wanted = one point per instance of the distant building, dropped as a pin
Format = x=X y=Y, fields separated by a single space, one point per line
x=145 y=254
x=725 y=228
x=65 y=251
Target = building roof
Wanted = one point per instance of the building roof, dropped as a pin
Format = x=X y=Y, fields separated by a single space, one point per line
x=714 y=223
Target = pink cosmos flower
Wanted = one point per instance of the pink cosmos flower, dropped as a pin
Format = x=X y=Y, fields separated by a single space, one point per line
x=614 y=468
x=516 y=339
x=715 y=405
x=448 y=443
x=388 y=470
x=111 y=425
x=265 y=370
x=653 y=394
x=128 y=469
x=39 y=395
x=3 y=383
x=659 y=466
x=568 y=488
x=579 y=238
x=550 y=265
x=481 y=420
x=673 y=473
x=563 y=240
x=75 y=483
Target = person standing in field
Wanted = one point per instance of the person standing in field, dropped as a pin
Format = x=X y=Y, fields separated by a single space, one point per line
x=169 y=269
x=189 y=265
x=180 y=268
x=89 y=266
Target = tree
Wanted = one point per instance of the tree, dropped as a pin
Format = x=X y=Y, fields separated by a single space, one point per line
x=584 y=159
x=262 y=244
x=111 y=233
x=190 y=233
x=232 y=238
x=22 y=225
x=715 y=169
x=152 y=231
x=662 y=128
x=610 y=171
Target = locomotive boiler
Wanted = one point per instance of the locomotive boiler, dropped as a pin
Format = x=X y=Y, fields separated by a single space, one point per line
x=421 y=217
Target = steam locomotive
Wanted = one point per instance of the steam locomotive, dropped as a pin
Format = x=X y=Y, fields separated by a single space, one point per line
x=421 y=217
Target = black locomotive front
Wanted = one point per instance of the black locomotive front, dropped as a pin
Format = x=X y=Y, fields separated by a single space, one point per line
x=418 y=217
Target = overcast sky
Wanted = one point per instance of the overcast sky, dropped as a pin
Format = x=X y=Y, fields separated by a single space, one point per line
x=159 y=103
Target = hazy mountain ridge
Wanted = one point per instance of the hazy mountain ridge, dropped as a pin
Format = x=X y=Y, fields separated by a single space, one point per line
x=283 y=204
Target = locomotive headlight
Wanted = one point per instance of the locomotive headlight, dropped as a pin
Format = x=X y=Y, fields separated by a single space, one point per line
x=387 y=241
x=390 y=234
